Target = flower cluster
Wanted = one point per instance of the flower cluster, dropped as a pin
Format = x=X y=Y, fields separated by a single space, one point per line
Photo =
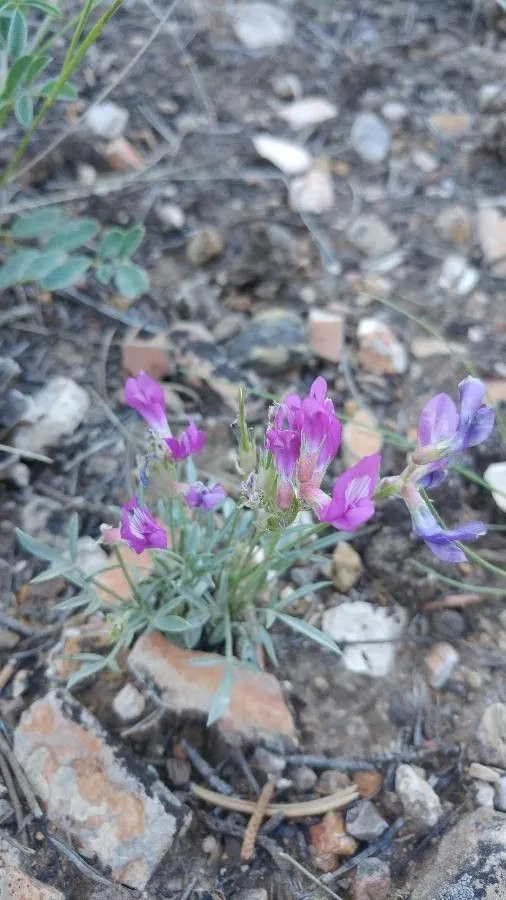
x=302 y=440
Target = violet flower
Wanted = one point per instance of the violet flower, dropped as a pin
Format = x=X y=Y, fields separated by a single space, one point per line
x=145 y=395
x=442 y=541
x=444 y=431
x=352 y=501
x=139 y=529
x=191 y=442
x=199 y=496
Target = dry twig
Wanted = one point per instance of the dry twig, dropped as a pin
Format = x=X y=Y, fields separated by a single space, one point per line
x=317 y=807
x=248 y=844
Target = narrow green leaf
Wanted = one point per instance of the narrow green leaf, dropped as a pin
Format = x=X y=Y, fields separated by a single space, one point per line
x=45 y=8
x=54 y=571
x=221 y=699
x=171 y=624
x=309 y=631
x=74 y=235
x=37 y=65
x=65 y=92
x=16 y=38
x=131 y=281
x=38 y=223
x=33 y=546
x=110 y=245
x=86 y=671
x=67 y=274
x=104 y=273
x=132 y=239
x=16 y=76
x=302 y=592
x=23 y=110
x=73 y=536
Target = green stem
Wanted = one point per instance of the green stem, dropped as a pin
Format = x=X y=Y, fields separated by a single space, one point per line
x=127 y=575
x=70 y=64
x=484 y=563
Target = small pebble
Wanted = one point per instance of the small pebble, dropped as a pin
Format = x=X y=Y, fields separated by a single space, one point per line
x=347 y=567
x=440 y=663
x=179 y=771
x=107 y=120
x=372 y=880
x=210 y=845
x=368 y=783
x=421 y=803
x=204 y=246
x=262 y=26
x=500 y=794
x=364 y=822
x=484 y=773
x=268 y=762
x=287 y=87
x=484 y=794
x=370 y=137
x=331 y=781
x=129 y=703
x=304 y=779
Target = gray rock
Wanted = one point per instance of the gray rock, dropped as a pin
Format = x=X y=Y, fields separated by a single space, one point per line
x=500 y=794
x=273 y=341
x=470 y=863
x=421 y=804
x=483 y=794
x=15 y=407
x=359 y=620
x=107 y=120
x=372 y=881
x=179 y=771
x=371 y=236
x=268 y=762
x=57 y=410
x=364 y=822
x=129 y=703
x=252 y=894
x=9 y=369
x=263 y=26
x=491 y=737
x=304 y=779
x=197 y=300
x=370 y=137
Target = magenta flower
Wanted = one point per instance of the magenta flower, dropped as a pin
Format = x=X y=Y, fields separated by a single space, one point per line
x=146 y=396
x=139 y=529
x=352 y=497
x=191 y=442
x=442 y=541
x=199 y=496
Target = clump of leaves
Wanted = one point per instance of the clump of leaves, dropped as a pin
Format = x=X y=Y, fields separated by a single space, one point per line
x=59 y=251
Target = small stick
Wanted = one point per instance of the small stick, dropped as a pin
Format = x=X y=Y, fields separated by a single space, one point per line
x=372 y=850
x=340 y=764
x=6 y=674
x=286 y=856
x=265 y=796
x=338 y=800
x=13 y=796
x=22 y=779
x=204 y=769
x=454 y=601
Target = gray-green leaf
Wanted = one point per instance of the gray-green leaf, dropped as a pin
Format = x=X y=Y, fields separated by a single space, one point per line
x=74 y=235
x=131 y=280
x=132 y=239
x=67 y=274
x=65 y=92
x=23 y=110
x=42 y=263
x=35 y=224
x=16 y=38
x=17 y=74
x=12 y=271
x=33 y=546
x=309 y=631
x=110 y=245
x=104 y=273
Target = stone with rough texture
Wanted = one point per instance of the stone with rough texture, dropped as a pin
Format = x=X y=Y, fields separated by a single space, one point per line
x=469 y=862
x=290 y=158
x=484 y=773
x=500 y=794
x=262 y=26
x=364 y=822
x=495 y=474
x=273 y=341
x=91 y=792
x=491 y=737
x=380 y=351
x=440 y=663
x=372 y=881
x=368 y=783
x=204 y=246
x=492 y=237
x=312 y=192
x=149 y=355
x=457 y=276
x=361 y=437
x=256 y=709
x=422 y=805
x=359 y=621
x=57 y=410
x=16 y=885
x=483 y=794
x=347 y=567
x=304 y=778
x=328 y=841
x=370 y=137
x=308 y=112
x=451 y=125
x=370 y=235
x=107 y=120
x=326 y=333
x=454 y=224
x=129 y=704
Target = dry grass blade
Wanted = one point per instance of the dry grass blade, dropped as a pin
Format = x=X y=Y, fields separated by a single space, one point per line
x=338 y=800
x=248 y=844
x=293 y=862
x=454 y=601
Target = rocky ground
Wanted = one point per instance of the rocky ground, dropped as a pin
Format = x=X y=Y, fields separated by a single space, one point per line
x=316 y=180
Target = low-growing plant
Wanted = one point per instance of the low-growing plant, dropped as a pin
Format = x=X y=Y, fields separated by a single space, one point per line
x=217 y=562
x=31 y=83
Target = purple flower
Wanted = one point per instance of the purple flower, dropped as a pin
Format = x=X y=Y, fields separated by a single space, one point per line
x=191 y=442
x=446 y=431
x=285 y=448
x=476 y=420
x=442 y=541
x=198 y=496
x=146 y=396
x=352 y=497
x=139 y=529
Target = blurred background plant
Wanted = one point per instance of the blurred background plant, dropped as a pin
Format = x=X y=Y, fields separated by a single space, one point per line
x=31 y=83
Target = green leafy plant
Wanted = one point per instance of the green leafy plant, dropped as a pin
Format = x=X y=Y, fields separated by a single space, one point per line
x=30 y=84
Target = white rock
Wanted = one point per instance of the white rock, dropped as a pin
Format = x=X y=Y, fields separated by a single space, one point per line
x=287 y=86
x=308 y=111
x=495 y=474
x=425 y=347
x=359 y=621
x=421 y=804
x=484 y=794
x=458 y=276
x=424 y=160
x=58 y=409
x=262 y=26
x=107 y=120
x=381 y=352
x=484 y=773
x=370 y=137
x=500 y=795
x=171 y=215
x=292 y=159
x=440 y=663
x=129 y=703
x=370 y=235
x=313 y=192
x=393 y=111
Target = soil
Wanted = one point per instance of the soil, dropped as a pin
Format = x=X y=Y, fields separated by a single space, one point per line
x=431 y=58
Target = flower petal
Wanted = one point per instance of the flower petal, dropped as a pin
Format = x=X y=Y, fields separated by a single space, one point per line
x=472 y=395
x=481 y=426
x=438 y=420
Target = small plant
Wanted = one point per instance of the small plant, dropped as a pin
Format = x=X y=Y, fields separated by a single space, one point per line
x=29 y=88
x=216 y=563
